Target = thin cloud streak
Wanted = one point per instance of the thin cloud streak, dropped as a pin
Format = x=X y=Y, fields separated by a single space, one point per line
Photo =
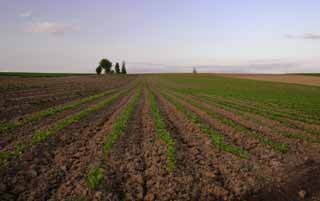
x=306 y=36
x=26 y=14
x=53 y=28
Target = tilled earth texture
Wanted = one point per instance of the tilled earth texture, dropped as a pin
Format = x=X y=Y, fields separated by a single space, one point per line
x=158 y=137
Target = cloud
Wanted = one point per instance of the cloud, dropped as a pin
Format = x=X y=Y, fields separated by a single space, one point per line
x=312 y=36
x=26 y=14
x=306 y=36
x=53 y=28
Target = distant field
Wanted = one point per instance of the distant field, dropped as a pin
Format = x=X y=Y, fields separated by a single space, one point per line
x=25 y=74
x=309 y=74
x=305 y=79
x=158 y=137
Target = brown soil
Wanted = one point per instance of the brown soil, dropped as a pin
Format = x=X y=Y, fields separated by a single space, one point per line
x=39 y=172
x=88 y=154
x=25 y=133
x=125 y=166
x=222 y=181
x=136 y=167
x=51 y=92
x=303 y=183
x=299 y=150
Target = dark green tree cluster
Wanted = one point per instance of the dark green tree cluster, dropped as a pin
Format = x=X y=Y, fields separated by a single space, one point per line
x=106 y=65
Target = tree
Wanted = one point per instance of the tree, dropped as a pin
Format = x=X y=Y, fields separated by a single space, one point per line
x=194 y=71
x=117 y=68
x=98 y=70
x=106 y=65
x=123 y=68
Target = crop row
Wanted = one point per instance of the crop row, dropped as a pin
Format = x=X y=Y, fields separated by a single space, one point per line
x=95 y=173
x=216 y=137
x=269 y=113
x=232 y=97
x=4 y=127
x=42 y=135
x=277 y=146
x=163 y=133
x=240 y=106
x=279 y=111
x=241 y=110
x=299 y=98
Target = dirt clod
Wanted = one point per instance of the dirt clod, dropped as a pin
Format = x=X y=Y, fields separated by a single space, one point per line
x=302 y=194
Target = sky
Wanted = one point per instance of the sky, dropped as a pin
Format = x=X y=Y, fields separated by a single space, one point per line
x=156 y=36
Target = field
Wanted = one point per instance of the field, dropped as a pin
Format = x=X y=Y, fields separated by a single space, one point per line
x=24 y=74
x=158 y=137
x=312 y=79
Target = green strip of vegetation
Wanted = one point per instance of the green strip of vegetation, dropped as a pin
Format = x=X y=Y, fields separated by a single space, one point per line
x=263 y=107
x=5 y=127
x=41 y=136
x=265 y=113
x=308 y=74
x=95 y=175
x=163 y=133
x=280 y=147
x=267 y=107
x=304 y=99
x=120 y=124
x=243 y=113
x=216 y=137
x=273 y=110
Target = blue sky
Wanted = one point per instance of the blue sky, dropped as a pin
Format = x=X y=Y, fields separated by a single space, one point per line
x=249 y=36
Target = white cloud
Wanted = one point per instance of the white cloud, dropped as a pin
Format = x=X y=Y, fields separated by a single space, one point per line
x=54 y=28
x=306 y=36
x=26 y=14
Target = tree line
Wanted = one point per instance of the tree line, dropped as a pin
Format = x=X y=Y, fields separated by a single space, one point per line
x=106 y=65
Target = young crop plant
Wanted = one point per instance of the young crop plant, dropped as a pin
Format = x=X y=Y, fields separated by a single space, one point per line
x=50 y=112
x=216 y=138
x=4 y=155
x=41 y=136
x=120 y=124
x=94 y=177
x=280 y=147
x=163 y=133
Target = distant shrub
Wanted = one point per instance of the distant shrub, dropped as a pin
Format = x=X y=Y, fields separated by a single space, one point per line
x=106 y=65
x=99 y=70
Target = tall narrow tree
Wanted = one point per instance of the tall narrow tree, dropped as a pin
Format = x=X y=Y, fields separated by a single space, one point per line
x=117 y=68
x=123 y=68
x=194 y=71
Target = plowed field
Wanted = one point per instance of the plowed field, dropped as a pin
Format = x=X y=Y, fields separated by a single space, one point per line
x=158 y=137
